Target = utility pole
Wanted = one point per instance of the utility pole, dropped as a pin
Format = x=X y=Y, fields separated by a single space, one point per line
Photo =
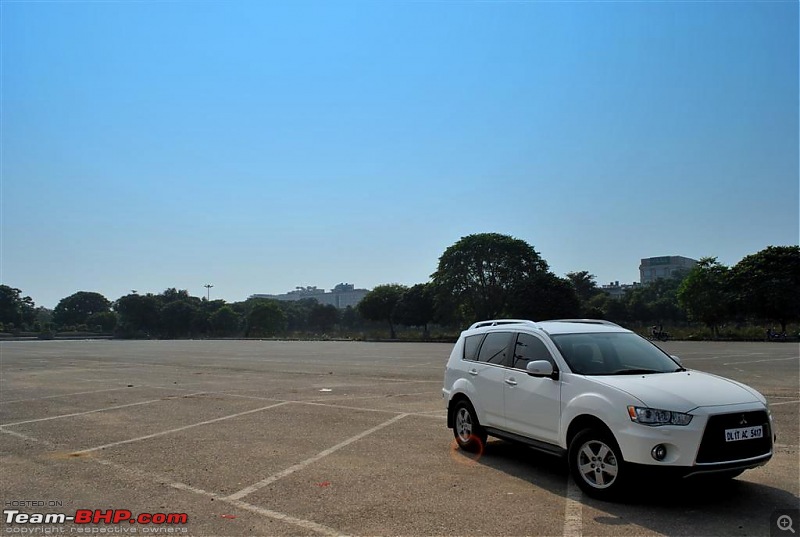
x=208 y=287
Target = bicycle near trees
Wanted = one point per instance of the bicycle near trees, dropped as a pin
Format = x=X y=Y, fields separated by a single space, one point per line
x=657 y=333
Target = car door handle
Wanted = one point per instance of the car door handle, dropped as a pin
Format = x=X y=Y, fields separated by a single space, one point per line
x=511 y=382
x=473 y=372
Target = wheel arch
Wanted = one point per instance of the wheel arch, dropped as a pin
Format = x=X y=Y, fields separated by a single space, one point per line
x=457 y=398
x=586 y=421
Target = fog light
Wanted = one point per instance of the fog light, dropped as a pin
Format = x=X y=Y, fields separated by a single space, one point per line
x=659 y=452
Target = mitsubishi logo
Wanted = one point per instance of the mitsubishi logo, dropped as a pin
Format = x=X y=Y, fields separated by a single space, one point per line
x=743 y=421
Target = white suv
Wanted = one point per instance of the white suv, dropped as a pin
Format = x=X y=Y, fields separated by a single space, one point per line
x=611 y=401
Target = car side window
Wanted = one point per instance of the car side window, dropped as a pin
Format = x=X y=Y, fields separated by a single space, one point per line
x=494 y=348
x=529 y=348
x=471 y=346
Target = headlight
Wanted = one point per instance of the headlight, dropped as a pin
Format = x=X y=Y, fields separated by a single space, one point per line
x=655 y=416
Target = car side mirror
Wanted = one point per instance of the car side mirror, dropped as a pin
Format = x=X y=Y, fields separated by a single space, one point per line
x=676 y=359
x=541 y=368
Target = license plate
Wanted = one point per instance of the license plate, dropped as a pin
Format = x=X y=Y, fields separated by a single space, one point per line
x=745 y=433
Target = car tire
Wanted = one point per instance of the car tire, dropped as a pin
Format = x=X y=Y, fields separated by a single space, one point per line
x=469 y=434
x=596 y=464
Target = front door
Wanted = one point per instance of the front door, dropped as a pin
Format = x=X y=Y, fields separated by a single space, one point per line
x=532 y=404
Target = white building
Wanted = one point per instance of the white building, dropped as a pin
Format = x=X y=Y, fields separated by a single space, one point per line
x=616 y=290
x=670 y=266
x=341 y=296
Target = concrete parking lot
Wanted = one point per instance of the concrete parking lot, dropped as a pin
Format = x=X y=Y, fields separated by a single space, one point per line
x=331 y=438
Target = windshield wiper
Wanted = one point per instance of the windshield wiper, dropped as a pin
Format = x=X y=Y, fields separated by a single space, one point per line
x=636 y=372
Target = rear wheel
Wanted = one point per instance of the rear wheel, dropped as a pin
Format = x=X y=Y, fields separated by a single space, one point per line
x=595 y=461
x=469 y=434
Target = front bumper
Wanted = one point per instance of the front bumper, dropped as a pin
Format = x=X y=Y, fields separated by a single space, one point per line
x=678 y=472
x=700 y=447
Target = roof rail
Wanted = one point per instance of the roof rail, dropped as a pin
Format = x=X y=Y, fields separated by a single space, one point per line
x=582 y=321
x=497 y=322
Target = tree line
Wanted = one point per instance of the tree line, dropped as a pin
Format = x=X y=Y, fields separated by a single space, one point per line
x=173 y=314
x=482 y=276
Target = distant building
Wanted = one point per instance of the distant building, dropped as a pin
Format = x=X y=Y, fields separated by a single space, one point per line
x=341 y=296
x=671 y=266
x=616 y=290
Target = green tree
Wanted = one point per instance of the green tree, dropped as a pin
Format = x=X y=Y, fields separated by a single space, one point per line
x=266 y=318
x=616 y=310
x=704 y=294
x=201 y=323
x=656 y=302
x=177 y=318
x=544 y=296
x=44 y=318
x=417 y=307
x=16 y=309
x=482 y=271
x=138 y=314
x=638 y=306
x=379 y=304
x=225 y=321
x=105 y=320
x=766 y=285
x=298 y=313
x=323 y=317
x=585 y=285
x=350 y=318
x=172 y=294
x=181 y=315
x=77 y=308
x=597 y=306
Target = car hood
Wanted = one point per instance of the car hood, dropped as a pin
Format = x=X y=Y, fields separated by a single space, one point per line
x=683 y=391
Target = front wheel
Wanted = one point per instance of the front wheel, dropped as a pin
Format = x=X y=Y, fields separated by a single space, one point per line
x=469 y=434
x=596 y=464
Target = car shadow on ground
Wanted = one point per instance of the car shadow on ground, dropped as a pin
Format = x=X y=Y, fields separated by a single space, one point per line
x=676 y=507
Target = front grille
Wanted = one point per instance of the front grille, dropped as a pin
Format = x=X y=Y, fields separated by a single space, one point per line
x=714 y=448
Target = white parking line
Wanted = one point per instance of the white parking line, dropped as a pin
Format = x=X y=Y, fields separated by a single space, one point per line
x=27 y=438
x=282 y=517
x=573 y=511
x=299 y=466
x=81 y=413
x=364 y=409
x=177 y=429
x=257 y=397
x=62 y=395
x=60 y=416
x=760 y=361
x=784 y=403
x=572 y=514
x=382 y=396
x=331 y=405
x=306 y=524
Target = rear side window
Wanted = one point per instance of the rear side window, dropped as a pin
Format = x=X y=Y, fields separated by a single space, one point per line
x=494 y=348
x=471 y=345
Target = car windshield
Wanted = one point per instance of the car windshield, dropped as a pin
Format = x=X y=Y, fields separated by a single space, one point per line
x=613 y=353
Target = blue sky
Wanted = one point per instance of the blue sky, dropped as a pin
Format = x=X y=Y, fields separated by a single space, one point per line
x=259 y=146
